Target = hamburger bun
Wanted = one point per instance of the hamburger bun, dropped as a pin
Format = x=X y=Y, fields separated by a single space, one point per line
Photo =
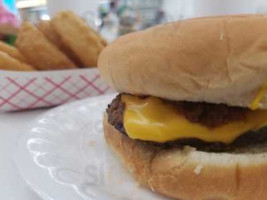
x=213 y=59
x=189 y=174
x=217 y=60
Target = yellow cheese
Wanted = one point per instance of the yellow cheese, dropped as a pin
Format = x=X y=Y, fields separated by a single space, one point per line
x=256 y=102
x=151 y=119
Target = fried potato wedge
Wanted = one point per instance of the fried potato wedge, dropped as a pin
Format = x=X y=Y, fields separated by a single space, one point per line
x=78 y=36
x=39 y=51
x=102 y=40
x=47 y=29
x=9 y=63
x=12 y=51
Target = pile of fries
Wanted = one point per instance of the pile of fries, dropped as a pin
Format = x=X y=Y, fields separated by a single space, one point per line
x=65 y=42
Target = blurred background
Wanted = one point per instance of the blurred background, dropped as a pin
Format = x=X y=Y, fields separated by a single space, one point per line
x=113 y=18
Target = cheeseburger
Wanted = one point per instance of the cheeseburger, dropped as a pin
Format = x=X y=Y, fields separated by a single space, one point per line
x=190 y=121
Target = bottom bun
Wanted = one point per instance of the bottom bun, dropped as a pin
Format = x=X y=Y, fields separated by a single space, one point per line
x=189 y=174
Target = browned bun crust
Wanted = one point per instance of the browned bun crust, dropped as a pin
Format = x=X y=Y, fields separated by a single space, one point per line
x=189 y=174
x=213 y=59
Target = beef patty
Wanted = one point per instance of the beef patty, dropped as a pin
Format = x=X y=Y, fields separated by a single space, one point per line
x=209 y=115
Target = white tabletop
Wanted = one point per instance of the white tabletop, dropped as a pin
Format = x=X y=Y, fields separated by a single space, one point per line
x=12 y=186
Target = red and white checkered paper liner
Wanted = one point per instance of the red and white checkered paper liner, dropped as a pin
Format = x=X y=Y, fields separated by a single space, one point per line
x=29 y=90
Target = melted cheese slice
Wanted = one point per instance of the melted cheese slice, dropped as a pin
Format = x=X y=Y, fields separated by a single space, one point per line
x=256 y=102
x=151 y=119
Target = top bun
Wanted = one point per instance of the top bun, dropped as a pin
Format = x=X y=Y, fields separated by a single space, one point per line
x=214 y=59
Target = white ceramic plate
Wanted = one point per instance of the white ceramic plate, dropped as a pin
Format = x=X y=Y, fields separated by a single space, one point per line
x=63 y=156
